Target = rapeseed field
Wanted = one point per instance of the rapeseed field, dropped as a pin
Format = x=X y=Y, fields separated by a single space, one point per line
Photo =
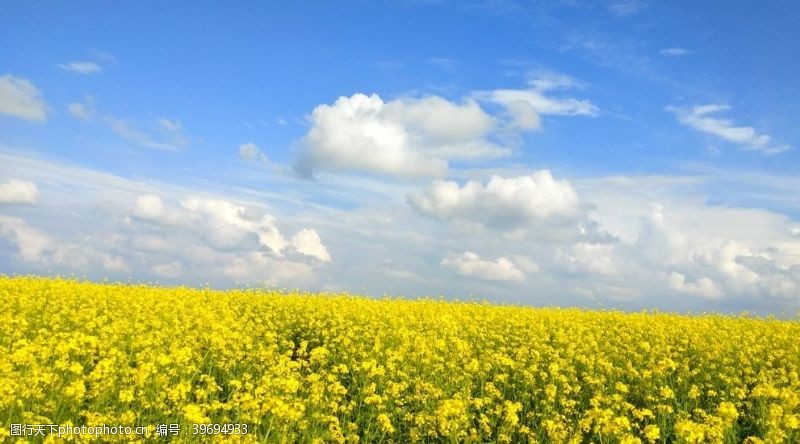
x=298 y=367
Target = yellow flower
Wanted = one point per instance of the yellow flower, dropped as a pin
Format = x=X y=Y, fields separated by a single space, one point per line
x=727 y=412
x=294 y=364
x=385 y=423
x=652 y=433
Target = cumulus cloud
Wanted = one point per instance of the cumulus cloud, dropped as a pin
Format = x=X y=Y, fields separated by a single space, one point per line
x=523 y=104
x=471 y=265
x=668 y=247
x=119 y=227
x=225 y=225
x=229 y=224
x=39 y=248
x=701 y=118
x=501 y=202
x=712 y=253
x=20 y=98
x=307 y=242
x=403 y=138
x=31 y=243
x=591 y=259
x=18 y=191
x=78 y=67
x=702 y=287
x=148 y=207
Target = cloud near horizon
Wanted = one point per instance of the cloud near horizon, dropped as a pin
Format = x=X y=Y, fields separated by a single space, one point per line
x=632 y=239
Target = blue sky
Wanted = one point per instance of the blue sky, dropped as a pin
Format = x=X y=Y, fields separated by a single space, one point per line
x=630 y=153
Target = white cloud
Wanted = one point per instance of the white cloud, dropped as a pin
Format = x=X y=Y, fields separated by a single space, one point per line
x=82 y=110
x=701 y=119
x=146 y=242
x=471 y=265
x=402 y=138
x=523 y=116
x=226 y=226
x=229 y=224
x=18 y=191
x=114 y=263
x=307 y=242
x=162 y=133
x=675 y=52
x=20 y=98
x=169 y=269
x=501 y=202
x=731 y=254
x=268 y=270
x=104 y=56
x=641 y=230
x=31 y=243
x=117 y=226
x=166 y=134
x=170 y=125
x=589 y=258
x=538 y=100
x=703 y=287
x=78 y=67
x=39 y=248
x=148 y=207
x=250 y=152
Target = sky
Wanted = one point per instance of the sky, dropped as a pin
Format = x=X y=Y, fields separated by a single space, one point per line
x=623 y=154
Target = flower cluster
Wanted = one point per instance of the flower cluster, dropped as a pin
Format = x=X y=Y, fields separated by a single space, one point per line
x=298 y=367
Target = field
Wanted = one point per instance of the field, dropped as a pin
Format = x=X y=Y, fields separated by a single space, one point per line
x=296 y=367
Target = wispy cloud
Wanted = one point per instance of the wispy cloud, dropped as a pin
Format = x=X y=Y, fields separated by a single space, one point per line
x=78 y=67
x=624 y=8
x=20 y=98
x=104 y=56
x=524 y=105
x=701 y=118
x=87 y=67
x=82 y=110
x=167 y=134
x=675 y=52
x=163 y=134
